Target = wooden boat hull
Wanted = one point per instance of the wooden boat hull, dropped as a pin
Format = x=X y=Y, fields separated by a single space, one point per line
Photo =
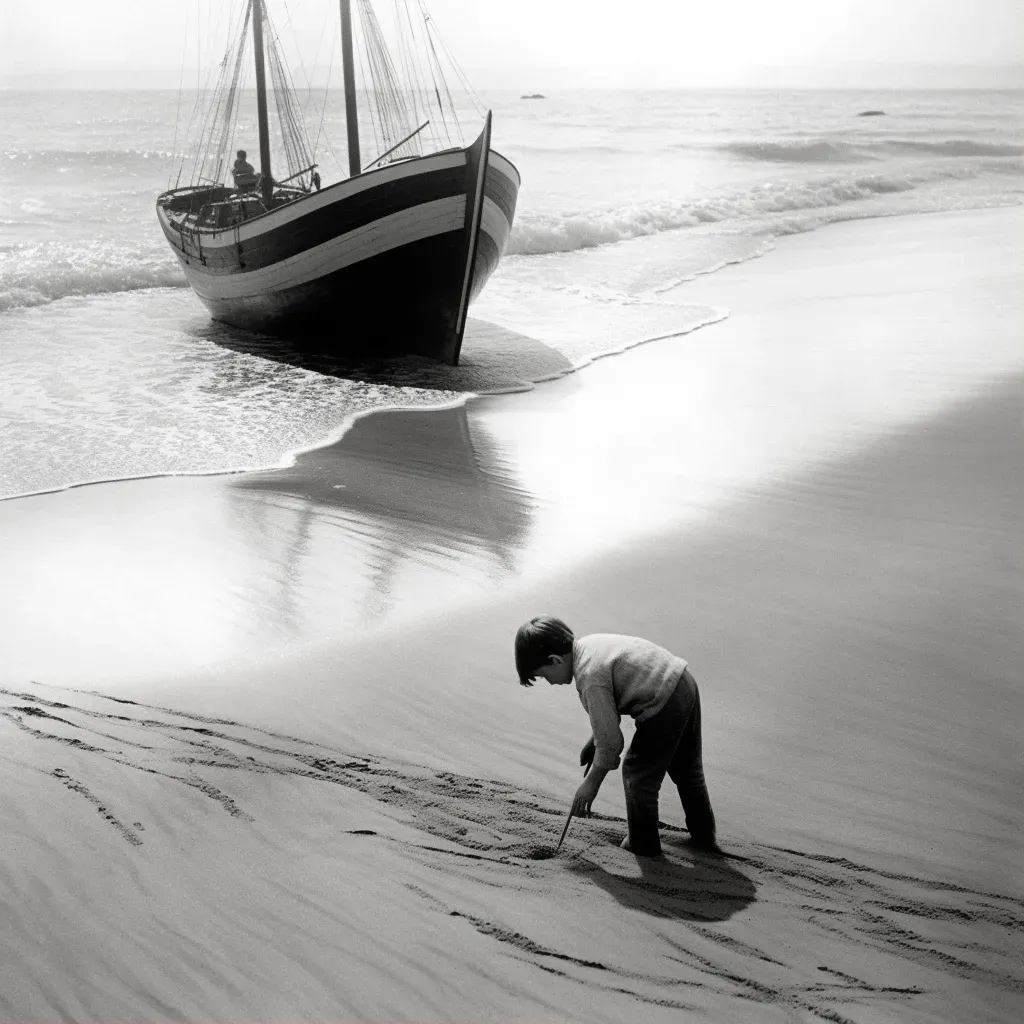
x=385 y=262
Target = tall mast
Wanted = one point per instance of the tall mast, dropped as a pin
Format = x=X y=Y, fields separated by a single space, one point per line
x=348 y=67
x=266 y=181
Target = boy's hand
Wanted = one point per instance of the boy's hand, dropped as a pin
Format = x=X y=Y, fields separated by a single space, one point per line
x=587 y=755
x=586 y=794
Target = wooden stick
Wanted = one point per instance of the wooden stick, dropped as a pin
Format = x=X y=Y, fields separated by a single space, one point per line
x=564 y=830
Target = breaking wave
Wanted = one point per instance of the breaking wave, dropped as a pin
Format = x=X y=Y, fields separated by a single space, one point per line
x=40 y=285
x=537 y=233
x=961 y=147
x=828 y=151
x=799 y=152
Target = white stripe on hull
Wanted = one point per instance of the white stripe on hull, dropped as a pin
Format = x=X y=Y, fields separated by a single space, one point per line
x=411 y=225
x=341 y=192
x=495 y=225
x=498 y=163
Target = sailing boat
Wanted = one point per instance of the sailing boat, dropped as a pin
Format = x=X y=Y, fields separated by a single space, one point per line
x=384 y=261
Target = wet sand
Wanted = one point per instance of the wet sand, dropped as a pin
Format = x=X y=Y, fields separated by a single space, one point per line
x=341 y=826
x=834 y=340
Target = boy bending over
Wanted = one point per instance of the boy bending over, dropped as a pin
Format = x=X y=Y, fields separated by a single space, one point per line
x=618 y=675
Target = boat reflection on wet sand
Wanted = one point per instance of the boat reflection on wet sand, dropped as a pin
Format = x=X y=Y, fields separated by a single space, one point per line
x=152 y=578
x=421 y=503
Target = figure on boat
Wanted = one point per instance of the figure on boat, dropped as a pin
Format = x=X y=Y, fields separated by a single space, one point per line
x=244 y=173
x=385 y=260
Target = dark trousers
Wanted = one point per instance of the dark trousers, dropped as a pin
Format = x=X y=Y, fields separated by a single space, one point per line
x=668 y=743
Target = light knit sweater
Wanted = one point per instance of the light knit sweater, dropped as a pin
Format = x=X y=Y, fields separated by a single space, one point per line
x=617 y=675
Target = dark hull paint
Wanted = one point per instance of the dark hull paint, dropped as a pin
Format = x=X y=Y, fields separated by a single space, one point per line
x=397 y=302
x=347 y=213
x=485 y=263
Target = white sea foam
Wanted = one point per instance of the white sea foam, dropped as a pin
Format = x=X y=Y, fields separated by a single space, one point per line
x=38 y=286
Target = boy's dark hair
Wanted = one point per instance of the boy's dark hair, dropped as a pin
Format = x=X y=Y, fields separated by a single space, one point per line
x=536 y=641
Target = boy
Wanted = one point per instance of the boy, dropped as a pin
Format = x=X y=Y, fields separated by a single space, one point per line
x=618 y=675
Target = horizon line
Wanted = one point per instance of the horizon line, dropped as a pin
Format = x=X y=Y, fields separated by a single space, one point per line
x=1004 y=77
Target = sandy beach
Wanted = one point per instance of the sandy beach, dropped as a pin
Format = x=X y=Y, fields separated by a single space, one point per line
x=264 y=754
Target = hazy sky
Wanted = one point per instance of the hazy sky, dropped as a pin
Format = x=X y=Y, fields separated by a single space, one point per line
x=528 y=44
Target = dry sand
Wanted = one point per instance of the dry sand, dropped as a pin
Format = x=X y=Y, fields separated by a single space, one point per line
x=344 y=832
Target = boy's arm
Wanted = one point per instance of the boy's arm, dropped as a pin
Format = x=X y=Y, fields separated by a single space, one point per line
x=587 y=792
x=604 y=721
x=607 y=741
x=587 y=755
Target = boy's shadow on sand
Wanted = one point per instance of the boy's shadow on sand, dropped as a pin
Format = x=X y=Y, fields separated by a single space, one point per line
x=687 y=885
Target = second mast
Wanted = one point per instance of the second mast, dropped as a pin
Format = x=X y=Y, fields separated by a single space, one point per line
x=349 y=71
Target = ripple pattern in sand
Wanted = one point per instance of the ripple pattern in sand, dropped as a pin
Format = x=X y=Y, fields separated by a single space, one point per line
x=788 y=934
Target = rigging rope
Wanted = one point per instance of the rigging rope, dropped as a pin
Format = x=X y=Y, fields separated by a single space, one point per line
x=396 y=121
x=440 y=72
x=323 y=108
x=233 y=97
x=177 y=111
x=401 y=92
x=433 y=30
x=298 y=151
x=366 y=77
x=420 y=110
x=196 y=109
x=213 y=115
x=421 y=60
x=309 y=101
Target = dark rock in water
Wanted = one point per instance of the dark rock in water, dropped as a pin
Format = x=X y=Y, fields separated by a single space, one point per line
x=872 y=113
x=533 y=96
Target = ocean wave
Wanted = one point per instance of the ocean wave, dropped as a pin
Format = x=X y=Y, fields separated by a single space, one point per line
x=536 y=234
x=41 y=285
x=823 y=151
x=832 y=151
x=578 y=150
x=959 y=147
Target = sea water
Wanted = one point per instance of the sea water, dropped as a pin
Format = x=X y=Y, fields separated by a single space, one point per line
x=110 y=367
